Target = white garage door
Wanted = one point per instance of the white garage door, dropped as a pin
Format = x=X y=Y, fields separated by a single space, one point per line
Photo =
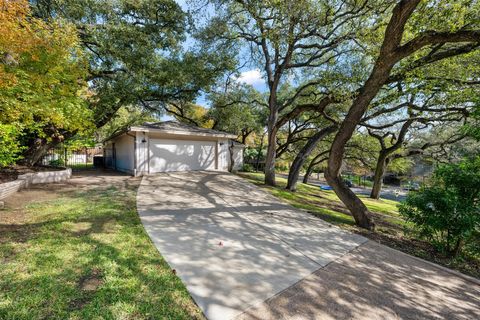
x=181 y=155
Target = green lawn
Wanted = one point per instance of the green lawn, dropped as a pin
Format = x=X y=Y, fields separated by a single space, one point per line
x=80 y=166
x=85 y=255
x=325 y=203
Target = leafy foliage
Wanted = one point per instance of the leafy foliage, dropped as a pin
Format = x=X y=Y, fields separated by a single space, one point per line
x=190 y=113
x=473 y=129
x=123 y=118
x=448 y=210
x=42 y=75
x=136 y=52
x=9 y=145
x=239 y=110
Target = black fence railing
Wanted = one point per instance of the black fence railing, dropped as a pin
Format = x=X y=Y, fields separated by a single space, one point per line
x=255 y=165
x=75 y=158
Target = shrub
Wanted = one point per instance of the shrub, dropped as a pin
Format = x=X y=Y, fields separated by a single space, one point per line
x=10 y=147
x=447 y=211
x=248 y=168
x=57 y=162
x=251 y=154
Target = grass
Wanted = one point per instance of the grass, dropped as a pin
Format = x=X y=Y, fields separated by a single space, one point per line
x=85 y=255
x=80 y=166
x=391 y=229
x=323 y=203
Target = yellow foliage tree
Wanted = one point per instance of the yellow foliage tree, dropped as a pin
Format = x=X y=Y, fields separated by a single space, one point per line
x=42 y=78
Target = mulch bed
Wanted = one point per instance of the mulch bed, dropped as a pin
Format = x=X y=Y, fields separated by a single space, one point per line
x=423 y=249
x=393 y=235
x=11 y=173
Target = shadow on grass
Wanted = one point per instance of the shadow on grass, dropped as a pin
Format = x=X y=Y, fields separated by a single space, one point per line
x=91 y=236
x=391 y=229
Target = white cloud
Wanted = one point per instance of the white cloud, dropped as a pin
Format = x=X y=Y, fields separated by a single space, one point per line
x=252 y=77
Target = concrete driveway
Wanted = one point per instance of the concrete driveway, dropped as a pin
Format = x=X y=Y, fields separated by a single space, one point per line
x=243 y=254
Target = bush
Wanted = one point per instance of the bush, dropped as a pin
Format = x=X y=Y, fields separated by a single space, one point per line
x=10 y=147
x=57 y=162
x=447 y=211
x=251 y=154
x=248 y=168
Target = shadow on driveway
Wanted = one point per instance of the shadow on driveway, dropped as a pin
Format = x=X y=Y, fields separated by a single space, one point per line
x=235 y=246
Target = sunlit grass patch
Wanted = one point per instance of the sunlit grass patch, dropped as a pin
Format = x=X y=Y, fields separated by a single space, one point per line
x=85 y=255
x=325 y=203
x=391 y=229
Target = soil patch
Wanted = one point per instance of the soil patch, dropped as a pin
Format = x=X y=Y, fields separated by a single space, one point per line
x=92 y=281
x=88 y=284
x=14 y=217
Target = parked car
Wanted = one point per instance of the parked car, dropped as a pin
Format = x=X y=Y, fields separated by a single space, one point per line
x=348 y=183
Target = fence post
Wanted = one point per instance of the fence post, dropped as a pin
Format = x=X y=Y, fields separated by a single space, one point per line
x=114 y=156
x=65 y=155
x=86 y=158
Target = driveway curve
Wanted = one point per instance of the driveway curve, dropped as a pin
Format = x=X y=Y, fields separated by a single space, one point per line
x=243 y=254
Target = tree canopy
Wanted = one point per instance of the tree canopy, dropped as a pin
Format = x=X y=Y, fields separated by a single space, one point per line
x=43 y=87
x=346 y=83
x=136 y=52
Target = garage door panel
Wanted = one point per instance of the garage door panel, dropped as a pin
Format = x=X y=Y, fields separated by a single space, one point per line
x=181 y=155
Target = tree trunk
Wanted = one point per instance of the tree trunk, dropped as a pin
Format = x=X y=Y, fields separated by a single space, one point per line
x=378 y=177
x=357 y=110
x=38 y=147
x=312 y=165
x=271 y=149
x=308 y=173
x=389 y=55
x=304 y=154
x=245 y=133
x=232 y=160
x=36 y=150
x=351 y=201
x=458 y=247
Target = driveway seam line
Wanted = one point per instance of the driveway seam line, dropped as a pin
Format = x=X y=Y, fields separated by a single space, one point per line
x=265 y=229
x=307 y=213
x=313 y=272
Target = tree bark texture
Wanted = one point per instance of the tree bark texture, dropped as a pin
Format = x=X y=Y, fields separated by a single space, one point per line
x=387 y=58
x=271 y=149
x=304 y=153
x=382 y=163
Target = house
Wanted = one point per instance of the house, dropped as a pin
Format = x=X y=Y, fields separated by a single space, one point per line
x=171 y=146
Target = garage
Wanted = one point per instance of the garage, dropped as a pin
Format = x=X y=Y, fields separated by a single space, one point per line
x=172 y=146
x=178 y=155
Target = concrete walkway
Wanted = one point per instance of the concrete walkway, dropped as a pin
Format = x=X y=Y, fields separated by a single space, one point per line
x=243 y=254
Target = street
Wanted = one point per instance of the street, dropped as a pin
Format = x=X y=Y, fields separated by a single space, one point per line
x=388 y=192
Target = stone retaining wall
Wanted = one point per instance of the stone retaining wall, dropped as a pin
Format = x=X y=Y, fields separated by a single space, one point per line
x=25 y=180
x=51 y=176
x=10 y=187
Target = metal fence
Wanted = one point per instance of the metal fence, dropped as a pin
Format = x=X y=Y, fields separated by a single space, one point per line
x=75 y=158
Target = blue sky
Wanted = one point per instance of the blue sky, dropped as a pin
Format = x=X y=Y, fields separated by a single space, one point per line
x=248 y=74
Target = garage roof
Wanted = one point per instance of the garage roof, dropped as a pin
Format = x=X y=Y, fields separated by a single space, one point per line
x=173 y=127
